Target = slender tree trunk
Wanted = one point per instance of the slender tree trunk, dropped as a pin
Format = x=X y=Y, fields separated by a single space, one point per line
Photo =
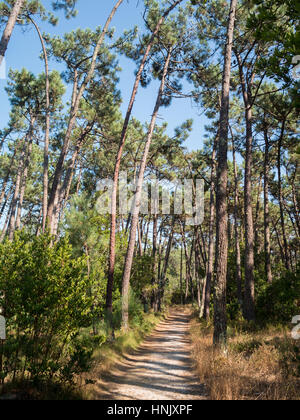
x=238 y=270
x=15 y=11
x=266 y=211
x=74 y=111
x=278 y=240
x=12 y=221
x=8 y=196
x=249 y=296
x=64 y=191
x=211 y=249
x=187 y=280
x=146 y=237
x=197 y=269
x=47 y=131
x=295 y=201
x=154 y=258
x=181 y=275
x=220 y=316
x=79 y=180
x=6 y=223
x=249 y=299
x=161 y=246
x=3 y=195
x=280 y=198
x=140 y=239
x=137 y=200
x=257 y=243
x=5 y=136
x=112 y=245
x=188 y=264
x=163 y=278
x=11 y=225
x=24 y=183
x=191 y=272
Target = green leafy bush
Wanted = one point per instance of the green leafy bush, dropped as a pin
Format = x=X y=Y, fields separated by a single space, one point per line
x=136 y=311
x=280 y=301
x=44 y=294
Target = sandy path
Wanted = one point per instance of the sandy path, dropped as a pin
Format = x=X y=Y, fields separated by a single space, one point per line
x=161 y=369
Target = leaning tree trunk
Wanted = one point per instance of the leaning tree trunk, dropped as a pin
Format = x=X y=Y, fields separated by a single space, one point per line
x=47 y=131
x=112 y=242
x=266 y=210
x=8 y=196
x=6 y=223
x=137 y=199
x=72 y=120
x=64 y=189
x=220 y=317
x=9 y=28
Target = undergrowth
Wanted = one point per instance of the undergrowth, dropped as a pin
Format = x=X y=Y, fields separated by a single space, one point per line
x=259 y=363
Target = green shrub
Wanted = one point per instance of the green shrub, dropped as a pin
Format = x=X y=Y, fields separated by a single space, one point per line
x=136 y=311
x=280 y=301
x=44 y=293
x=246 y=347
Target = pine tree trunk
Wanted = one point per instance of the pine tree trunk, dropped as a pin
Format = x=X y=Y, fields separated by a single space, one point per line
x=8 y=196
x=146 y=237
x=112 y=243
x=47 y=131
x=162 y=282
x=238 y=270
x=181 y=275
x=137 y=200
x=24 y=183
x=3 y=195
x=211 y=249
x=280 y=198
x=249 y=296
x=72 y=120
x=154 y=258
x=64 y=191
x=9 y=28
x=187 y=263
x=140 y=239
x=197 y=269
x=220 y=316
x=12 y=221
x=257 y=242
x=266 y=211
x=6 y=223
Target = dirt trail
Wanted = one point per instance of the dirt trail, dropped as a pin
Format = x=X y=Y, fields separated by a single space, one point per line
x=161 y=369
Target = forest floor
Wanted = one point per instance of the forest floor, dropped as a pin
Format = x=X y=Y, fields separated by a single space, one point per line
x=160 y=369
x=261 y=363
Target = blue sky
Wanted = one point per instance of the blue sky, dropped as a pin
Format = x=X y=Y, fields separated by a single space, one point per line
x=24 y=50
